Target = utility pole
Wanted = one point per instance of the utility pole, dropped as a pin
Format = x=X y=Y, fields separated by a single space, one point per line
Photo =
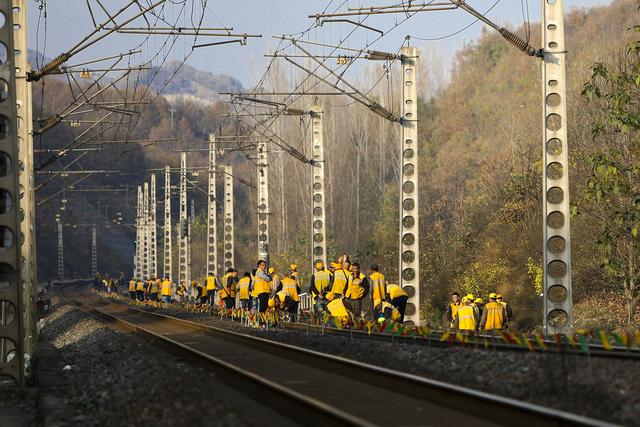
x=229 y=258
x=167 y=223
x=94 y=251
x=184 y=273
x=25 y=156
x=60 y=253
x=145 y=231
x=318 y=223
x=138 y=253
x=409 y=242
x=212 y=244
x=153 y=230
x=558 y=300
x=263 y=202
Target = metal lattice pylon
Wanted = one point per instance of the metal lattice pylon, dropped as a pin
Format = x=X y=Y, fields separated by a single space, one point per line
x=229 y=250
x=318 y=213
x=409 y=230
x=558 y=301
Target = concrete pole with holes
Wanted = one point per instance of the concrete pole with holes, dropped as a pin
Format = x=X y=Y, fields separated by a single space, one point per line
x=94 y=251
x=558 y=301
x=60 y=252
x=183 y=272
x=229 y=250
x=138 y=253
x=263 y=202
x=212 y=219
x=25 y=155
x=145 y=231
x=153 y=229
x=409 y=230
x=318 y=223
x=167 y=259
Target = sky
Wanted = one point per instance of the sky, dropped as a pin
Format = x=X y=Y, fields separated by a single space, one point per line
x=68 y=21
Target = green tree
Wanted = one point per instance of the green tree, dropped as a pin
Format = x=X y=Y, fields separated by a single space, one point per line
x=612 y=191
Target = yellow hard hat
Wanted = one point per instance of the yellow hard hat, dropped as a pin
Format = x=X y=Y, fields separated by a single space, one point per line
x=336 y=265
x=492 y=295
x=319 y=265
x=479 y=300
x=293 y=267
x=465 y=299
x=498 y=296
x=377 y=302
x=272 y=270
x=271 y=303
x=470 y=297
x=331 y=296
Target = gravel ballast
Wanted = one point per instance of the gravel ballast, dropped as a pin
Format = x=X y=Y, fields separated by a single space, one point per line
x=117 y=379
x=602 y=388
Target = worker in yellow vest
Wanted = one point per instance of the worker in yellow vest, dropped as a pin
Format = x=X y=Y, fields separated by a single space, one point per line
x=494 y=315
x=132 y=288
x=321 y=281
x=340 y=280
x=378 y=286
x=341 y=312
x=275 y=280
x=283 y=302
x=261 y=286
x=357 y=289
x=293 y=272
x=154 y=288
x=140 y=290
x=165 y=291
x=507 y=309
x=211 y=288
x=465 y=319
x=385 y=311
x=289 y=285
x=228 y=288
x=398 y=297
x=453 y=307
x=244 y=291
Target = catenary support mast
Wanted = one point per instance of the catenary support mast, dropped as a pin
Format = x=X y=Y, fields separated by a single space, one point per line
x=153 y=229
x=409 y=241
x=558 y=303
x=60 y=253
x=212 y=241
x=229 y=252
x=94 y=251
x=263 y=201
x=318 y=223
x=184 y=273
x=167 y=223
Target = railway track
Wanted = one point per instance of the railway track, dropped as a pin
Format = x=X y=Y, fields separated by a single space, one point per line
x=491 y=343
x=314 y=388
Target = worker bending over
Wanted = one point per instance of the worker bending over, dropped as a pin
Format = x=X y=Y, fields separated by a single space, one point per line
x=283 y=302
x=384 y=310
x=398 y=297
x=341 y=312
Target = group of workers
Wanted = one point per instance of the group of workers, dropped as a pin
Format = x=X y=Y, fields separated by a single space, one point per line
x=339 y=290
x=471 y=314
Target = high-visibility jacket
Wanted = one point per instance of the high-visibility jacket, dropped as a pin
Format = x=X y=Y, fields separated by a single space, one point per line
x=166 y=288
x=243 y=288
x=211 y=282
x=394 y=314
x=355 y=290
x=260 y=286
x=454 y=306
x=140 y=285
x=226 y=290
x=494 y=316
x=153 y=287
x=466 y=318
x=340 y=281
x=395 y=291
x=376 y=281
x=132 y=285
x=275 y=281
x=202 y=290
x=321 y=280
x=337 y=309
x=290 y=287
x=282 y=295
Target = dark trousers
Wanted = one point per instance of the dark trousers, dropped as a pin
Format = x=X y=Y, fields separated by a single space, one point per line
x=263 y=302
x=132 y=294
x=153 y=296
x=401 y=304
x=229 y=302
x=357 y=307
x=293 y=310
x=140 y=295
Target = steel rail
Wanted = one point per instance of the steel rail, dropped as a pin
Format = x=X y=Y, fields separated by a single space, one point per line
x=325 y=378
